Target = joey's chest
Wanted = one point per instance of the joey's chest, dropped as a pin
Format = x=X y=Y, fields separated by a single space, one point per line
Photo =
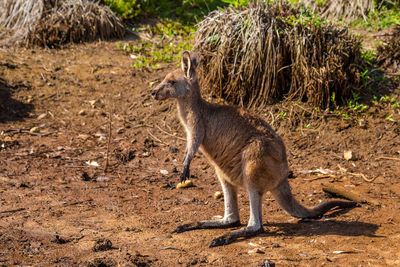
x=188 y=119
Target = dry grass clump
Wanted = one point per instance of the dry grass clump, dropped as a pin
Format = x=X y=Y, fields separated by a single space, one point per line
x=388 y=55
x=263 y=52
x=52 y=23
x=347 y=10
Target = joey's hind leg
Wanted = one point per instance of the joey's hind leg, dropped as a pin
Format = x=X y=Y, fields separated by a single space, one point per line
x=230 y=219
x=254 y=226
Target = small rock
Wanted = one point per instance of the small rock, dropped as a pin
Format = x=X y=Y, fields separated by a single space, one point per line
x=256 y=250
x=146 y=154
x=267 y=263
x=83 y=136
x=82 y=112
x=194 y=261
x=29 y=100
x=92 y=163
x=42 y=116
x=164 y=172
x=102 y=245
x=217 y=195
x=94 y=103
x=35 y=130
x=102 y=179
x=348 y=155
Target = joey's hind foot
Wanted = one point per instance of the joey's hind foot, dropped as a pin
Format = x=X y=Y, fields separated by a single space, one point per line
x=185 y=227
x=205 y=225
x=234 y=235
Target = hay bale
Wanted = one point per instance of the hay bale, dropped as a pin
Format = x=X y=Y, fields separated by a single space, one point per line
x=388 y=55
x=17 y=19
x=347 y=10
x=254 y=55
x=52 y=23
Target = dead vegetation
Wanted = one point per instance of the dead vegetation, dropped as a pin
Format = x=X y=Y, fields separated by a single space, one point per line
x=388 y=56
x=53 y=23
x=341 y=9
x=264 y=52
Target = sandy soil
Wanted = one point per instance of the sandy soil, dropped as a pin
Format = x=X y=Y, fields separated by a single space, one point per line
x=60 y=207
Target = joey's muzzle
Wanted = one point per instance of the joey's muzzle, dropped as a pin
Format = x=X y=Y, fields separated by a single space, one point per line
x=156 y=92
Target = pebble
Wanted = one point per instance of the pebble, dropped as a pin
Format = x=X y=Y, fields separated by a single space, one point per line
x=217 y=195
x=35 y=130
x=42 y=116
x=102 y=179
x=164 y=172
x=256 y=250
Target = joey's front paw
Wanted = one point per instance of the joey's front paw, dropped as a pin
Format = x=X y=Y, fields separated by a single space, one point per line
x=185 y=174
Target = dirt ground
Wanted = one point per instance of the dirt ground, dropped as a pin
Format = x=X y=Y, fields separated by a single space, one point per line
x=59 y=207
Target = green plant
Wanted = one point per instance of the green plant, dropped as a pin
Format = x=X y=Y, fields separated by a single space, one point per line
x=236 y=3
x=125 y=9
x=307 y=18
x=148 y=54
x=368 y=57
x=379 y=19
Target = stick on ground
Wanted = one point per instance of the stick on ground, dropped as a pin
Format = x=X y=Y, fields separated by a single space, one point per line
x=348 y=194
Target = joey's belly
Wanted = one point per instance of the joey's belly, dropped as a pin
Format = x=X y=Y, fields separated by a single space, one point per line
x=227 y=165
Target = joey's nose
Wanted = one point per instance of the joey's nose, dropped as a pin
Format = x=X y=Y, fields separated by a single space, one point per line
x=154 y=93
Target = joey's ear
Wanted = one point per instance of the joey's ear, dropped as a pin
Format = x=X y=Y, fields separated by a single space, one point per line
x=195 y=59
x=186 y=63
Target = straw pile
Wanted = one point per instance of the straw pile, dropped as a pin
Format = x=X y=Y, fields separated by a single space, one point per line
x=347 y=10
x=388 y=55
x=55 y=22
x=254 y=55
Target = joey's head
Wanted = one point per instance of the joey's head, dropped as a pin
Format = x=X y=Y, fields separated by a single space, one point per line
x=182 y=82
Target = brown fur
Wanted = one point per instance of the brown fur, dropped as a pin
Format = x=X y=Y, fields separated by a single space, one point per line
x=245 y=151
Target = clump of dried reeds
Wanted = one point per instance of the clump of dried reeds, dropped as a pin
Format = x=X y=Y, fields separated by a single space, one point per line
x=388 y=55
x=346 y=10
x=52 y=23
x=17 y=19
x=253 y=55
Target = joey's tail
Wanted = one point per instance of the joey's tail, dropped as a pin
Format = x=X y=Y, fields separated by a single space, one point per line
x=286 y=200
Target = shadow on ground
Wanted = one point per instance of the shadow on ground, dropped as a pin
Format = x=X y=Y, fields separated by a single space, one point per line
x=12 y=109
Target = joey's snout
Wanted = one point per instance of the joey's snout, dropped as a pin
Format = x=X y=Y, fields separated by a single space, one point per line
x=159 y=93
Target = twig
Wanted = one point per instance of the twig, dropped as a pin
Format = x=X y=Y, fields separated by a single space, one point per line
x=388 y=158
x=172 y=248
x=20 y=131
x=348 y=195
x=12 y=211
x=320 y=177
x=177 y=137
x=156 y=138
x=109 y=140
x=357 y=174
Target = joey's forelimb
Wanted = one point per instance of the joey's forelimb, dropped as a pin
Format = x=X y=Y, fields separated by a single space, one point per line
x=194 y=140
